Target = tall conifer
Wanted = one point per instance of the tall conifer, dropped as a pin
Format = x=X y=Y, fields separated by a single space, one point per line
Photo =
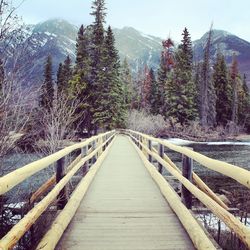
x=166 y=64
x=47 y=90
x=207 y=90
x=126 y=78
x=235 y=85
x=223 y=91
x=181 y=89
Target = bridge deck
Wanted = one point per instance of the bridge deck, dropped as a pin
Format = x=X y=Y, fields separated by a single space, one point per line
x=124 y=209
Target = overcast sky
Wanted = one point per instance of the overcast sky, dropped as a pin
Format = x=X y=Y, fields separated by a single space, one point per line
x=155 y=17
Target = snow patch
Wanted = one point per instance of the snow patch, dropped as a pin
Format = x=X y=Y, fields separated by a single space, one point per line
x=43 y=42
x=16 y=205
x=182 y=142
x=228 y=143
x=179 y=142
x=72 y=41
x=69 y=51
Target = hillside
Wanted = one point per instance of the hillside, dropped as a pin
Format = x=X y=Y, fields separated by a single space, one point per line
x=228 y=44
x=58 y=37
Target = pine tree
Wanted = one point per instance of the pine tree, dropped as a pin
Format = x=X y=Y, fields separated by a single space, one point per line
x=59 y=78
x=97 y=61
x=98 y=34
x=223 y=91
x=207 y=90
x=67 y=72
x=47 y=90
x=137 y=90
x=80 y=85
x=153 y=93
x=181 y=89
x=235 y=85
x=64 y=76
x=146 y=90
x=111 y=109
x=126 y=78
x=244 y=107
x=83 y=53
x=166 y=65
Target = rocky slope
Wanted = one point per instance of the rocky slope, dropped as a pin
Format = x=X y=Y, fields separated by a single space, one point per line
x=58 y=37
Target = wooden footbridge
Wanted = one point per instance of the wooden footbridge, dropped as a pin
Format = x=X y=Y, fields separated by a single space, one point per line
x=123 y=201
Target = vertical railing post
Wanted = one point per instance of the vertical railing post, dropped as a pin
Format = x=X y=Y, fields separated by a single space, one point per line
x=101 y=148
x=84 y=151
x=161 y=154
x=93 y=147
x=187 y=171
x=150 y=148
x=104 y=140
x=60 y=173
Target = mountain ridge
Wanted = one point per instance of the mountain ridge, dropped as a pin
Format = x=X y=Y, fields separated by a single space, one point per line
x=57 y=37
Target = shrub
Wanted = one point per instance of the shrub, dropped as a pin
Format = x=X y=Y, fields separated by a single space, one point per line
x=146 y=123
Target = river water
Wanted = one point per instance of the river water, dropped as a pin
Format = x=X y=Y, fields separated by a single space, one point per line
x=236 y=153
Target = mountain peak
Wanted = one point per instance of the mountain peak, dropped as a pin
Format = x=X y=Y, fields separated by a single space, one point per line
x=216 y=35
x=57 y=26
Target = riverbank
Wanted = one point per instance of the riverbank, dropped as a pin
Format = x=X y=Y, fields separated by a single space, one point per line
x=205 y=136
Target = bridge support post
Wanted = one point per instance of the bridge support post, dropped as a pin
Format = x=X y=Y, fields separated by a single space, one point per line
x=60 y=173
x=150 y=148
x=84 y=152
x=161 y=153
x=94 y=157
x=187 y=170
x=104 y=139
x=139 y=138
x=138 y=143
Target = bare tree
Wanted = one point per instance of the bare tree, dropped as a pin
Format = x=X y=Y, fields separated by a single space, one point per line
x=15 y=113
x=58 y=123
x=146 y=123
x=10 y=22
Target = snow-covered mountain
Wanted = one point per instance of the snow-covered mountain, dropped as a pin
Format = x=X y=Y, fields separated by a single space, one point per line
x=58 y=38
x=54 y=37
x=138 y=47
x=228 y=44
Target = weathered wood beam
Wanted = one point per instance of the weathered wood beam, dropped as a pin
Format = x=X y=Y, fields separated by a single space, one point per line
x=198 y=181
x=194 y=230
x=53 y=235
x=12 y=179
x=17 y=231
x=237 y=173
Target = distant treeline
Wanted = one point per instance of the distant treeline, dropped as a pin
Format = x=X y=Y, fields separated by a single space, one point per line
x=211 y=93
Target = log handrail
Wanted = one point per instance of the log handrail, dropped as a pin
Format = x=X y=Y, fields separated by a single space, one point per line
x=239 y=174
x=242 y=231
x=53 y=235
x=195 y=231
x=19 y=229
x=198 y=181
x=143 y=144
x=12 y=179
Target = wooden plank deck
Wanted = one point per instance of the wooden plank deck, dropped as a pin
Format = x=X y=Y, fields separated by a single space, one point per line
x=124 y=209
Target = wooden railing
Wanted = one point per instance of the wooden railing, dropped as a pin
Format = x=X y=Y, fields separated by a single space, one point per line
x=144 y=145
x=93 y=152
